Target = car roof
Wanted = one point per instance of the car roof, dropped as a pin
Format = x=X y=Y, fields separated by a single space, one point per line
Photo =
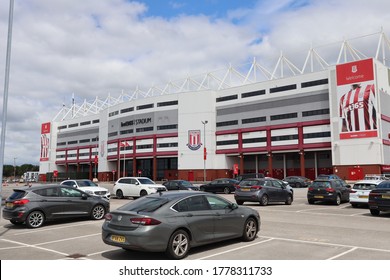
x=171 y=195
x=369 y=182
x=37 y=187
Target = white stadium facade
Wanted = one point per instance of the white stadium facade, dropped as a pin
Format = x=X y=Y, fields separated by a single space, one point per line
x=322 y=118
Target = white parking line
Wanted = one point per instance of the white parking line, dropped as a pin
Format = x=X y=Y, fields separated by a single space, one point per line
x=342 y=254
x=66 y=239
x=30 y=246
x=29 y=231
x=235 y=249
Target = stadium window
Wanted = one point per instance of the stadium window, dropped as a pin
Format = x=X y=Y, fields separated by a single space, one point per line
x=146 y=146
x=143 y=129
x=254 y=140
x=282 y=88
x=314 y=83
x=111 y=134
x=167 y=145
x=167 y=103
x=253 y=93
x=126 y=110
x=73 y=125
x=316 y=135
x=165 y=127
x=227 y=123
x=128 y=131
x=85 y=140
x=62 y=127
x=284 y=116
x=145 y=106
x=284 y=137
x=227 y=98
x=227 y=142
x=85 y=123
x=315 y=112
x=72 y=142
x=61 y=144
x=254 y=120
x=95 y=121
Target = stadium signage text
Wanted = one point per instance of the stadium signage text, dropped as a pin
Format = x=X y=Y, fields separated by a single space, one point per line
x=136 y=122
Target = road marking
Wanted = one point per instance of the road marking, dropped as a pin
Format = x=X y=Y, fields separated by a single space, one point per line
x=52 y=228
x=31 y=246
x=342 y=254
x=235 y=249
x=66 y=239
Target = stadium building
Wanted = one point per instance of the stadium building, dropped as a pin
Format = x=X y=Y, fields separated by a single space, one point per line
x=322 y=118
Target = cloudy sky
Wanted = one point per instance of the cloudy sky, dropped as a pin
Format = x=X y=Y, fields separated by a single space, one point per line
x=92 y=48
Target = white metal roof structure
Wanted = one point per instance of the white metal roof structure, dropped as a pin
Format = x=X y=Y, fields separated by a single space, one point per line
x=245 y=74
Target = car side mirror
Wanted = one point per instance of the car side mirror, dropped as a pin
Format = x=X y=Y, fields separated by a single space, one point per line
x=233 y=206
x=84 y=196
x=75 y=186
x=348 y=186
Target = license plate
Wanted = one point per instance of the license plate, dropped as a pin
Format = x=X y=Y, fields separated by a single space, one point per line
x=385 y=196
x=118 y=238
x=318 y=196
x=363 y=196
x=9 y=205
x=245 y=190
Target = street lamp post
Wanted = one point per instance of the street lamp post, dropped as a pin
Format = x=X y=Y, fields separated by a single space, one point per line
x=204 y=150
x=15 y=168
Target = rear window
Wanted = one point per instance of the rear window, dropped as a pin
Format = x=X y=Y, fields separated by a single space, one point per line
x=321 y=184
x=361 y=186
x=384 y=185
x=17 y=194
x=250 y=182
x=86 y=183
x=144 y=204
x=146 y=181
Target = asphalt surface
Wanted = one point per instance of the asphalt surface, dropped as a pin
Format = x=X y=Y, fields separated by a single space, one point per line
x=288 y=232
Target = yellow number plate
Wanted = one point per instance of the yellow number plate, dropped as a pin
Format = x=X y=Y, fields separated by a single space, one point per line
x=363 y=196
x=118 y=238
x=318 y=196
x=385 y=196
x=9 y=205
x=245 y=189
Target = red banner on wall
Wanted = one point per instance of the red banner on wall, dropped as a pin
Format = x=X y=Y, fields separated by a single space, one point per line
x=45 y=141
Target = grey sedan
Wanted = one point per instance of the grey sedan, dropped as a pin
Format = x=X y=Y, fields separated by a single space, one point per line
x=175 y=221
x=263 y=190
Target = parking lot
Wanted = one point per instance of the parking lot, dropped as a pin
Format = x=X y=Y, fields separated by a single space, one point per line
x=288 y=232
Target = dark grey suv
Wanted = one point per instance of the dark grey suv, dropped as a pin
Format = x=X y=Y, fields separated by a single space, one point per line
x=331 y=190
x=38 y=204
x=263 y=190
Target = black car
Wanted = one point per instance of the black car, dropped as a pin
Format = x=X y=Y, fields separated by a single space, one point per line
x=297 y=181
x=175 y=185
x=225 y=185
x=379 y=198
x=36 y=205
x=330 y=190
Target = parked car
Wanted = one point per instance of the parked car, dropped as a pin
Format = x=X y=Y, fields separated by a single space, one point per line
x=297 y=181
x=38 y=204
x=147 y=223
x=88 y=186
x=327 y=176
x=360 y=191
x=249 y=175
x=263 y=190
x=175 y=185
x=381 y=177
x=379 y=198
x=136 y=187
x=224 y=185
x=328 y=190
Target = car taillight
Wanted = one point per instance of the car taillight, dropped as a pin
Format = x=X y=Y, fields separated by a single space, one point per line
x=21 y=202
x=352 y=191
x=329 y=189
x=238 y=187
x=257 y=187
x=108 y=217
x=310 y=189
x=145 y=221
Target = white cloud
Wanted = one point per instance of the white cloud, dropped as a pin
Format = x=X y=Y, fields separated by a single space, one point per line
x=95 y=47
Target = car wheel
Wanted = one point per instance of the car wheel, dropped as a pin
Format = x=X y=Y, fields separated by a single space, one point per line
x=226 y=190
x=289 y=200
x=250 y=230
x=16 y=222
x=178 y=245
x=338 y=200
x=239 y=202
x=264 y=200
x=143 y=193
x=35 y=219
x=98 y=212
x=374 y=212
x=119 y=194
x=310 y=201
x=298 y=185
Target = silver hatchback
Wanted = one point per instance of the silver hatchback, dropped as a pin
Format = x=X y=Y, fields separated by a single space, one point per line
x=263 y=190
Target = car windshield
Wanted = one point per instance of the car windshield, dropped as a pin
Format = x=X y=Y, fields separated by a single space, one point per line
x=146 y=181
x=144 y=204
x=321 y=184
x=86 y=183
x=186 y=184
x=362 y=186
